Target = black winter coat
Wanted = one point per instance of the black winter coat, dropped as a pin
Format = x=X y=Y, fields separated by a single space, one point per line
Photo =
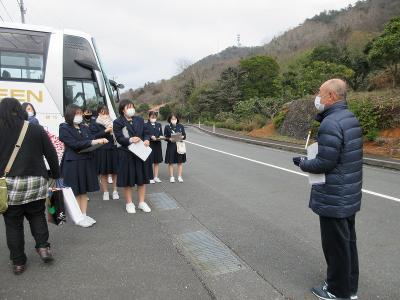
x=340 y=157
x=29 y=161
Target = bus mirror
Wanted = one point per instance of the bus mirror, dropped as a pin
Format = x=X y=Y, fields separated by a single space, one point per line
x=120 y=86
x=100 y=82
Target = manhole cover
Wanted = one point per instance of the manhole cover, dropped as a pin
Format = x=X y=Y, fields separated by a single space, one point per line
x=162 y=201
x=208 y=253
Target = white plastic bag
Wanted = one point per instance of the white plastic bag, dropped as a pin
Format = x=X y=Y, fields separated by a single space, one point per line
x=72 y=208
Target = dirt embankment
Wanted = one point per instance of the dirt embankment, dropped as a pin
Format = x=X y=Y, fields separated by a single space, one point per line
x=387 y=144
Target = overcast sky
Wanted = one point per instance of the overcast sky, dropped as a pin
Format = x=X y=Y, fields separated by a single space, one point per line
x=142 y=41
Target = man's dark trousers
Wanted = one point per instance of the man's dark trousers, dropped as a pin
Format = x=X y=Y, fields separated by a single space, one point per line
x=14 y=220
x=339 y=244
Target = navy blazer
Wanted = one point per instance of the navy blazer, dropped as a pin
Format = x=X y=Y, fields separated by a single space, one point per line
x=75 y=142
x=136 y=129
x=155 y=129
x=99 y=131
x=169 y=129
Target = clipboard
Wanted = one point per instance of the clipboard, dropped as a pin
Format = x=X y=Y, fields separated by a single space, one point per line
x=160 y=138
x=176 y=137
x=91 y=148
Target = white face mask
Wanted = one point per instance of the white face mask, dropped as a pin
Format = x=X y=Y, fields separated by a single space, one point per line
x=78 y=119
x=318 y=105
x=173 y=122
x=30 y=114
x=130 y=112
x=153 y=120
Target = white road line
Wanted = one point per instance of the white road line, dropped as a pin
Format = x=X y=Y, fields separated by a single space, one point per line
x=285 y=169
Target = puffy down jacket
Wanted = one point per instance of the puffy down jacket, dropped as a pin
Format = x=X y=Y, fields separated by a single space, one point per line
x=340 y=157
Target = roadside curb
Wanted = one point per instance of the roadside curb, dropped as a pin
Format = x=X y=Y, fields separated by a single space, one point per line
x=297 y=149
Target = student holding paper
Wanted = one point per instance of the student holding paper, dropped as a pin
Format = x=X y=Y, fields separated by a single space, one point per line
x=174 y=132
x=129 y=129
x=155 y=130
x=106 y=157
x=78 y=169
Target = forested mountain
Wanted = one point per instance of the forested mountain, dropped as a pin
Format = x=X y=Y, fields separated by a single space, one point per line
x=351 y=28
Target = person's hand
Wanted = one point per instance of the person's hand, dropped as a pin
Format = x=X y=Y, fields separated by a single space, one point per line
x=109 y=129
x=146 y=143
x=99 y=141
x=298 y=159
x=135 y=140
x=153 y=138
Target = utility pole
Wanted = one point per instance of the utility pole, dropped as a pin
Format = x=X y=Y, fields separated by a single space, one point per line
x=22 y=10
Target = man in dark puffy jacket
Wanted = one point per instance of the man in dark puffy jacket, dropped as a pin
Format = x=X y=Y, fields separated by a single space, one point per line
x=340 y=158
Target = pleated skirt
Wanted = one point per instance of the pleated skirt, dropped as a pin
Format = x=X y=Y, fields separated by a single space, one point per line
x=156 y=154
x=106 y=161
x=80 y=175
x=132 y=170
x=172 y=156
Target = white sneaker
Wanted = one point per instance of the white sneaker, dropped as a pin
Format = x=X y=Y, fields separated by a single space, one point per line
x=152 y=181
x=115 y=195
x=158 y=180
x=90 y=220
x=172 y=179
x=143 y=206
x=180 y=179
x=84 y=223
x=106 y=196
x=130 y=208
x=110 y=181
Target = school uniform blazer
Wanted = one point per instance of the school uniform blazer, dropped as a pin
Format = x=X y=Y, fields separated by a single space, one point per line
x=74 y=142
x=154 y=130
x=99 y=131
x=137 y=129
x=178 y=128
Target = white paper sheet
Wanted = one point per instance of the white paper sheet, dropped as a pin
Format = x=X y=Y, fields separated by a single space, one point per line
x=140 y=150
x=312 y=152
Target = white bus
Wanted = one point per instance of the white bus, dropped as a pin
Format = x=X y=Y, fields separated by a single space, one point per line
x=51 y=69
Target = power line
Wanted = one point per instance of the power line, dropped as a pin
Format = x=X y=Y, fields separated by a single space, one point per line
x=1 y=18
x=6 y=11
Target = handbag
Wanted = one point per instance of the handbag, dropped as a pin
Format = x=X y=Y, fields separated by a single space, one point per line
x=55 y=205
x=3 y=182
x=181 y=147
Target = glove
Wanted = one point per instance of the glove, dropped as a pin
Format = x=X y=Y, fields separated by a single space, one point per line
x=297 y=160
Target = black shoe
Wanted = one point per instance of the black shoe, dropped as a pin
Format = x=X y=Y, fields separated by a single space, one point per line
x=322 y=293
x=45 y=254
x=325 y=287
x=19 y=269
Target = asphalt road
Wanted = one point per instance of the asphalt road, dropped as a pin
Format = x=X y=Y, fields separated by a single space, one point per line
x=243 y=195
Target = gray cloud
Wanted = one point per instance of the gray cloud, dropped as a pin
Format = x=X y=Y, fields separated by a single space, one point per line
x=141 y=41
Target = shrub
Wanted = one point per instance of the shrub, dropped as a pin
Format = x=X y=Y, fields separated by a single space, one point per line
x=279 y=118
x=368 y=116
x=372 y=135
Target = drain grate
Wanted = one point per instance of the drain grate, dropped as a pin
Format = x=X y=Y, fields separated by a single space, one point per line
x=162 y=201
x=208 y=253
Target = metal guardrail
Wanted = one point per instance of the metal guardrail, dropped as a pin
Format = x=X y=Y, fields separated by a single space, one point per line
x=367 y=160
